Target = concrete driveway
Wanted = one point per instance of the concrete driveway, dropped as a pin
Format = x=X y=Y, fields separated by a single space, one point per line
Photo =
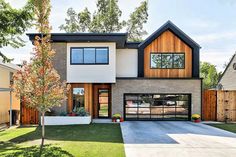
x=176 y=139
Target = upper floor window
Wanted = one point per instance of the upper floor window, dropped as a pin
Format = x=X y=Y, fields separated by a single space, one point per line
x=88 y=55
x=167 y=60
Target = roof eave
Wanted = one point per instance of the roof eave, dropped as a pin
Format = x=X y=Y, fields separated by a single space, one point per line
x=177 y=31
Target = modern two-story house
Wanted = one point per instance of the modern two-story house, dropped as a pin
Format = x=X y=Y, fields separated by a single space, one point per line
x=157 y=79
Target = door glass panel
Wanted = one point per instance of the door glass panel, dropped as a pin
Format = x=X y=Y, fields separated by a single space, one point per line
x=156 y=110
x=145 y=110
x=78 y=98
x=144 y=116
x=181 y=111
x=103 y=99
x=181 y=117
x=131 y=110
x=158 y=117
x=169 y=110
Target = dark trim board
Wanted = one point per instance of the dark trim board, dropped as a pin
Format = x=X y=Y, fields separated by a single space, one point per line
x=109 y=103
x=118 y=38
x=141 y=62
x=169 y=53
x=174 y=29
x=108 y=54
x=158 y=119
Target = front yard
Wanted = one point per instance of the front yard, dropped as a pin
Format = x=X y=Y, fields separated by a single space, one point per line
x=228 y=127
x=78 y=140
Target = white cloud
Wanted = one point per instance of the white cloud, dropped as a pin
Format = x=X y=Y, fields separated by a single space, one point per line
x=213 y=37
x=216 y=57
x=201 y=24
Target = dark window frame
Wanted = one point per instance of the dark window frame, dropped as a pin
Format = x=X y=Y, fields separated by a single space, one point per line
x=166 y=53
x=95 y=63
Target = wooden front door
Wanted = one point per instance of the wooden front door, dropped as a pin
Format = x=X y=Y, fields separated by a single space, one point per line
x=102 y=101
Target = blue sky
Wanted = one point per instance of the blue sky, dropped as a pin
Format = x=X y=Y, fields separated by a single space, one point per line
x=211 y=23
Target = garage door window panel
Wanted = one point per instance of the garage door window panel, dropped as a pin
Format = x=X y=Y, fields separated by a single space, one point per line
x=157 y=106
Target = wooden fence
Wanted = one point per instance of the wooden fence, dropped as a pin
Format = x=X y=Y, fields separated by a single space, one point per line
x=28 y=115
x=209 y=105
x=219 y=105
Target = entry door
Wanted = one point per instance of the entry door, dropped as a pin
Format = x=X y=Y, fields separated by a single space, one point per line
x=102 y=101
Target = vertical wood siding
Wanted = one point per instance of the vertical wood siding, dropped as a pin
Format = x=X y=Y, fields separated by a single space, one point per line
x=168 y=42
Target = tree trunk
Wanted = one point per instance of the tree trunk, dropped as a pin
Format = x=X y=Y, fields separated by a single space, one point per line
x=43 y=134
x=43 y=128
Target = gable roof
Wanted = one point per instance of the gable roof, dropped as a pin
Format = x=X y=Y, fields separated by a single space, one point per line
x=173 y=28
x=226 y=68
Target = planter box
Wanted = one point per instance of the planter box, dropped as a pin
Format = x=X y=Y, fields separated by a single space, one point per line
x=66 y=120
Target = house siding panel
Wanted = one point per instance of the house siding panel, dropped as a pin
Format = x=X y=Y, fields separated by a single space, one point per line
x=59 y=60
x=188 y=86
x=92 y=73
x=167 y=42
x=126 y=63
x=228 y=80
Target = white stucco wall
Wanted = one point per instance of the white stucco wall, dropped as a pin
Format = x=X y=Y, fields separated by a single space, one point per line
x=92 y=73
x=126 y=63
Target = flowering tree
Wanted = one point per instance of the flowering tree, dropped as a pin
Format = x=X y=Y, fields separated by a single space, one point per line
x=38 y=82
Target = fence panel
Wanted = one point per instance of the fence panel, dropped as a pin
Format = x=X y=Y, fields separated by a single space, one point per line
x=209 y=105
x=226 y=105
x=28 y=115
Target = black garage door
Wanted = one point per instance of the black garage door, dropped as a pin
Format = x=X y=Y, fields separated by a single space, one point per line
x=157 y=106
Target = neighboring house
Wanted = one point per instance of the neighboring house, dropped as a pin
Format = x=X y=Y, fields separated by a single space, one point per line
x=228 y=78
x=6 y=79
x=157 y=79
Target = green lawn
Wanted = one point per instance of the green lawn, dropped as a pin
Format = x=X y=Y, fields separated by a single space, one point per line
x=75 y=140
x=228 y=127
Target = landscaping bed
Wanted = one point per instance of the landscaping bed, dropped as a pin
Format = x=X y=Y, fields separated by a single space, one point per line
x=72 y=140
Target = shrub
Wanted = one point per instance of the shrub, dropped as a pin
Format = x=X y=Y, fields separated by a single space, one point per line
x=63 y=113
x=81 y=112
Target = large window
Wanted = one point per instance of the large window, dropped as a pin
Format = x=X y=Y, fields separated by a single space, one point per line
x=167 y=60
x=157 y=106
x=89 y=55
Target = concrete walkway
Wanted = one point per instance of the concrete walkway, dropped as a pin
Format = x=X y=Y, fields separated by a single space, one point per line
x=176 y=139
